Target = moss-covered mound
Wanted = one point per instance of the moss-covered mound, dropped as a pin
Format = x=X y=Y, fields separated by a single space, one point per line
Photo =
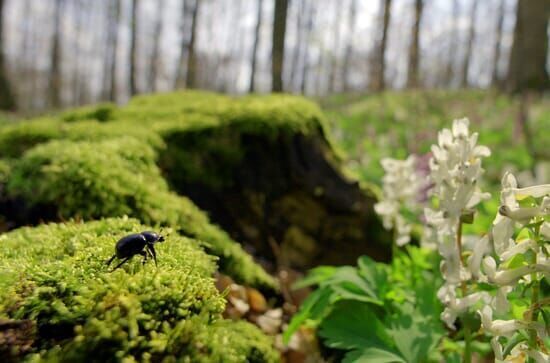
x=261 y=166
x=117 y=177
x=55 y=277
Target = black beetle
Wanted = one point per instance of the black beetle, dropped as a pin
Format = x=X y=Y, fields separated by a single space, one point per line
x=136 y=244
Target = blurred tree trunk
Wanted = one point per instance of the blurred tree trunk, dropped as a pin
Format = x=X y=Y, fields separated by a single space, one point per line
x=7 y=100
x=349 y=46
x=278 y=50
x=184 y=46
x=414 y=61
x=191 y=78
x=449 y=72
x=332 y=85
x=251 y=87
x=469 y=45
x=495 y=79
x=156 y=59
x=527 y=69
x=133 y=48
x=114 y=48
x=307 y=36
x=380 y=73
x=297 y=53
x=55 y=66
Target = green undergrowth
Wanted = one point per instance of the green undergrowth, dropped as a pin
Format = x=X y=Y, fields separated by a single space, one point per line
x=55 y=275
x=395 y=124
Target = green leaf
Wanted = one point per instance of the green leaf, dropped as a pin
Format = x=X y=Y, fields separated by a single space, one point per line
x=415 y=334
x=353 y=325
x=516 y=261
x=348 y=281
x=314 y=307
x=370 y=355
x=315 y=276
x=376 y=274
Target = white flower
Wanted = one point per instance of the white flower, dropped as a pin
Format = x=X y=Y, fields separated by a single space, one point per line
x=401 y=186
x=481 y=248
x=545 y=230
x=519 y=248
x=510 y=277
x=456 y=306
x=504 y=328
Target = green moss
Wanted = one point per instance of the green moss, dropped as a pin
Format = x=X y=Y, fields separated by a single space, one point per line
x=119 y=177
x=102 y=113
x=195 y=110
x=104 y=161
x=15 y=139
x=55 y=275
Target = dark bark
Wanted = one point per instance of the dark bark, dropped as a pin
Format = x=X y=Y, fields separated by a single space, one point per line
x=7 y=100
x=191 y=78
x=380 y=75
x=116 y=18
x=495 y=79
x=527 y=69
x=156 y=58
x=414 y=48
x=251 y=87
x=469 y=45
x=55 y=66
x=285 y=190
x=278 y=49
x=349 y=46
x=133 y=48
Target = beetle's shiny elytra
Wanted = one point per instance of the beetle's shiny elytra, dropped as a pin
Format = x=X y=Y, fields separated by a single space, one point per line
x=136 y=244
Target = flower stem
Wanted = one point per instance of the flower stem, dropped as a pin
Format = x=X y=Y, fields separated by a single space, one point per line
x=534 y=303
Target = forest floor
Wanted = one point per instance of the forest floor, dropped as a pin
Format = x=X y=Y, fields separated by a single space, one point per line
x=368 y=128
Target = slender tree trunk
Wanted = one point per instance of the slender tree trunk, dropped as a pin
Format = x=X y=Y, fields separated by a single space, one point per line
x=55 y=67
x=414 y=56
x=469 y=45
x=191 y=78
x=349 y=46
x=180 y=71
x=133 y=48
x=335 y=47
x=7 y=100
x=495 y=79
x=278 y=50
x=156 y=58
x=527 y=70
x=116 y=18
x=380 y=76
x=449 y=72
x=251 y=87
x=296 y=55
x=309 y=29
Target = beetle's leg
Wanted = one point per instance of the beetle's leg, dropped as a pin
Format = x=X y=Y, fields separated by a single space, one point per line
x=120 y=264
x=144 y=254
x=111 y=259
x=151 y=249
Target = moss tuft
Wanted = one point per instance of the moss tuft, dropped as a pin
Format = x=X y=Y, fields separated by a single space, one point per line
x=55 y=275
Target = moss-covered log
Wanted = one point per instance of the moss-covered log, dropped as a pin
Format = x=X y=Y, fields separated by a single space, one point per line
x=59 y=302
x=261 y=166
